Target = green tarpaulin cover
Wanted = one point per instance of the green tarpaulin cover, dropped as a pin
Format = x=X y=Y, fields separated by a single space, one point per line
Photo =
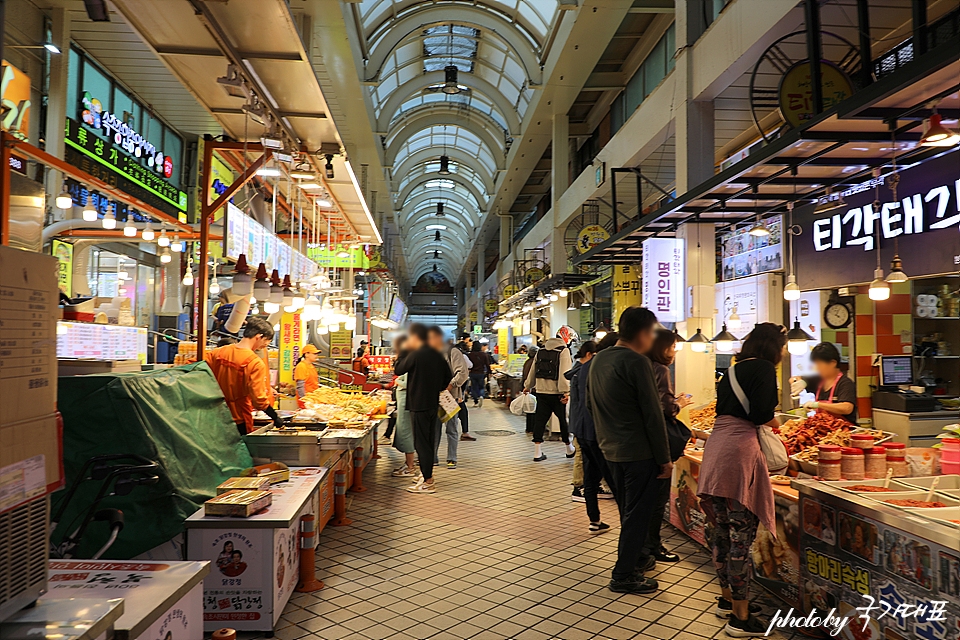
x=176 y=417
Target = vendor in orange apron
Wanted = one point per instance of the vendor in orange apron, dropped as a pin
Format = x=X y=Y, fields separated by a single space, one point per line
x=243 y=376
x=835 y=392
x=305 y=373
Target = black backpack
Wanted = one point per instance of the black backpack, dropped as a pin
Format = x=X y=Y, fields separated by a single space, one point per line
x=548 y=364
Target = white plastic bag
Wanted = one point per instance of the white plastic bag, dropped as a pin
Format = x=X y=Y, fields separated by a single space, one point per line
x=529 y=403
x=516 y=407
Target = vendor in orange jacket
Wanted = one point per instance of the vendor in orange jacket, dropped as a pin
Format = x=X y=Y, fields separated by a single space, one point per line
x=305 y=374
x=243 y=376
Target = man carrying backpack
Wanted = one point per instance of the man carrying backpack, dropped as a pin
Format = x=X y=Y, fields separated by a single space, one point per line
x=553 y=390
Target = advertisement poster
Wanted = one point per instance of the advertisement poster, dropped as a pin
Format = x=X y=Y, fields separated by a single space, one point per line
x=291 y=339
x=746 y=255
x=626 y=288
x=685 y=513
x=182 y=622
x=15 y=94
x=755 y=299
x=776 y=560
x=235 y=591
x=847 y=559
x=806 y=310
x=341 y=345
x=63 y=252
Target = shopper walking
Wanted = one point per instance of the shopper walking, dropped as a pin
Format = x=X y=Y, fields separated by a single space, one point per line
x=403 y=428
x=576 y=408
x=459 y=370
x=243 y=375
x=527 y=366
x=479 y=370
x=553 y=391
x=428 y=375
x=734 y=485
x=662 y=354
x=622 y=397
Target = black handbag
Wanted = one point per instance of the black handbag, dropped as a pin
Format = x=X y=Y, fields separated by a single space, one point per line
x=678 y=435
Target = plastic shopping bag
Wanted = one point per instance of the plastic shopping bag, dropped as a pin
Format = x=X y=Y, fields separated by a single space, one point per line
x=529 y=403
x=516 y=407
x=448 y=406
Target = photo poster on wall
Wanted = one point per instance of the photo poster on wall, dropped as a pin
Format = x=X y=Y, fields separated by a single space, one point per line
x=806 y=310
x=751 y=299
x=745 y=255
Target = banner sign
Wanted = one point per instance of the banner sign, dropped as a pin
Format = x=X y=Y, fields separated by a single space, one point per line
x=626 y=288
x=15 y=95
x=291 y=341
x=745 y=255
x=663 y=277
x=924 y=219
x=63 y=252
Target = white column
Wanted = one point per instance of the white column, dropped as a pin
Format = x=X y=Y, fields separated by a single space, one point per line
x=694 y=119
x=57 y=99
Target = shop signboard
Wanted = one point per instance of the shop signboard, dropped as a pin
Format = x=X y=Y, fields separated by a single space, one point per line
x=63 y=252
x=850 y=561
x=503 y=341
x=341 y=345
x=626 y=288
x=15 y=96
x=663 y=277
x=837 y=248
x=328 y=258
x=90 y=341
x=745 y=255
x=795 y=94
x=114 y=160
x=291 y=340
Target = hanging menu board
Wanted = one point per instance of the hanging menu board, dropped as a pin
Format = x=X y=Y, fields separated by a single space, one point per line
x=246 y=235
x=76 y=340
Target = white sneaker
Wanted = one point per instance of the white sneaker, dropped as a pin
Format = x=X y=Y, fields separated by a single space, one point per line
x=403 y=472
x=480 y=402
x=422 y=487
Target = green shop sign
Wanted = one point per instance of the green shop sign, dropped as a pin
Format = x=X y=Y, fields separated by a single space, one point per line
x=328 y=258
x=111 y=163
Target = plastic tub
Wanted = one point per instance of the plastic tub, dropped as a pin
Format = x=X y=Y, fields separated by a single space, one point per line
x=894 y=484
x=949 y=516
x=925 y=482
x=911 y=495
x=951 y=450
x=949 y=467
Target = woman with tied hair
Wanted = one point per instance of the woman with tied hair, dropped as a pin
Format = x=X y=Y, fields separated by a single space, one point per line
x=734 y=485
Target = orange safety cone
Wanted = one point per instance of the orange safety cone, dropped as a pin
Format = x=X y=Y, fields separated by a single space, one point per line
x=358 y=471
x=340 y=518
x=308 y=555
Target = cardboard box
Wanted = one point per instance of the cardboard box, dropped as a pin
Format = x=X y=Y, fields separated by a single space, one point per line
x=28 y=335
x=31 y=455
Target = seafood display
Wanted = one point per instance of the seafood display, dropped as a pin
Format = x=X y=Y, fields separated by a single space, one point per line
x=703 y=418
x=798 y=435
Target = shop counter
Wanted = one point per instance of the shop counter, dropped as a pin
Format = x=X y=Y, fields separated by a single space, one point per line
x=65 y=619
x=917 y=429
x=158 y=597
x=256 y=560
x=853 y=547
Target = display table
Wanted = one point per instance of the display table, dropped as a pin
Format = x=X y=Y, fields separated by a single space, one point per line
x=65 y=619
x=776 y=561
x=157 y=597
x=853 y=546
x=256 y=560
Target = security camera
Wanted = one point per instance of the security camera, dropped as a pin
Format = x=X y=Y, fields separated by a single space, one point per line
x=328 y=167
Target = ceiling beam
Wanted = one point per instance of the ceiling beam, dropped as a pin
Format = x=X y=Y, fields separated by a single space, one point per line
x=283 y=114
x=216 y=53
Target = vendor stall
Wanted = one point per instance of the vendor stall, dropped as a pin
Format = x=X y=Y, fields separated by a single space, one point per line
x=256 y=559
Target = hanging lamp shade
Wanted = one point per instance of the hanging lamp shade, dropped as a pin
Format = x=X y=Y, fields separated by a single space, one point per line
x=436 y=255
x=879 y=288
x=937 y=135
x=797 y=339
x=724 y=340
x=440 y=209
x=698 y=341
x=451 y=75
x=791 y=291
x=444 y=166
x=678 y=340
x=434 y=268
x=436 y=236
x=759 y=229
x=896 y=270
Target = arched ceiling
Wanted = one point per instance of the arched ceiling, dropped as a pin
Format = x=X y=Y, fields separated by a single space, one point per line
x=496 y=46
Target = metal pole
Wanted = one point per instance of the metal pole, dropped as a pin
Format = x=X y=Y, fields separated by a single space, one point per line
x=613 y=194
x=814 y=52
x=919 y=27
x=203 y=292
x=866 y=55
x=5 y=187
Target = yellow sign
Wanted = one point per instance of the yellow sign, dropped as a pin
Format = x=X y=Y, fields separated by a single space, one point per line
x=473 y=316
x=626 y=289
x=510 y=290
x=341 y=345
x=221 y=177
x=15 y=97
x=590 y=236
x=503 y=342
x=489 y=305
x=534 y=274
x=796 y=94
x=291 y=339
x=63 y=252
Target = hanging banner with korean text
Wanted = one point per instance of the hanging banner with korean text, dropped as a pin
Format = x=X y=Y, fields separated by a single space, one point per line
x=837 y=247
x=663 y=277
x=626 y=288
x=291 y=340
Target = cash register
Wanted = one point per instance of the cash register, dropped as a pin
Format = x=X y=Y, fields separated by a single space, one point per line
x=896 y=391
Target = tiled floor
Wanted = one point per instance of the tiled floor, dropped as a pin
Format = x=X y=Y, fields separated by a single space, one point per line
x=498 y=552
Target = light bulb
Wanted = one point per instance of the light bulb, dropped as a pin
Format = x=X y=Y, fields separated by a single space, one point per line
x=724 y=345
x=699 y=347
x=176 y=246
x=110 y=220
x=214 y=287
x=322 y=329
x=797 y=347
x=64 y=200
x=554 y=297
x=148 y=233
x=163 y=240
x=276 y=327
x=290 y=309
x=298 y=300
x=253 y=299
x=165 y=256
x=791 y=291
x=678 y=346
x=879 y=288
x=129 y=230
x=270 y=307
x=333 y=327
x=89 y=213
x=350 y=324
x=188 y=277
x=563 y=293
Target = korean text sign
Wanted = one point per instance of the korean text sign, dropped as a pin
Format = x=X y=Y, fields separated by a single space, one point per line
x=663 y=277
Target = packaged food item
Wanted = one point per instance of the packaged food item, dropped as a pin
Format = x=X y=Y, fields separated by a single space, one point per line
x=896 y=459
x=828 y=452
x=922 y=461
x=852 y=463
x=255 y=483
x=862 y=440
x=829 y=469
x=875 y=462
x=239 y=504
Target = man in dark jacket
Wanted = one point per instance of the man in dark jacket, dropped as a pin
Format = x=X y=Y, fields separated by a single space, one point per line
x=623 y=399
x=428 y=375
